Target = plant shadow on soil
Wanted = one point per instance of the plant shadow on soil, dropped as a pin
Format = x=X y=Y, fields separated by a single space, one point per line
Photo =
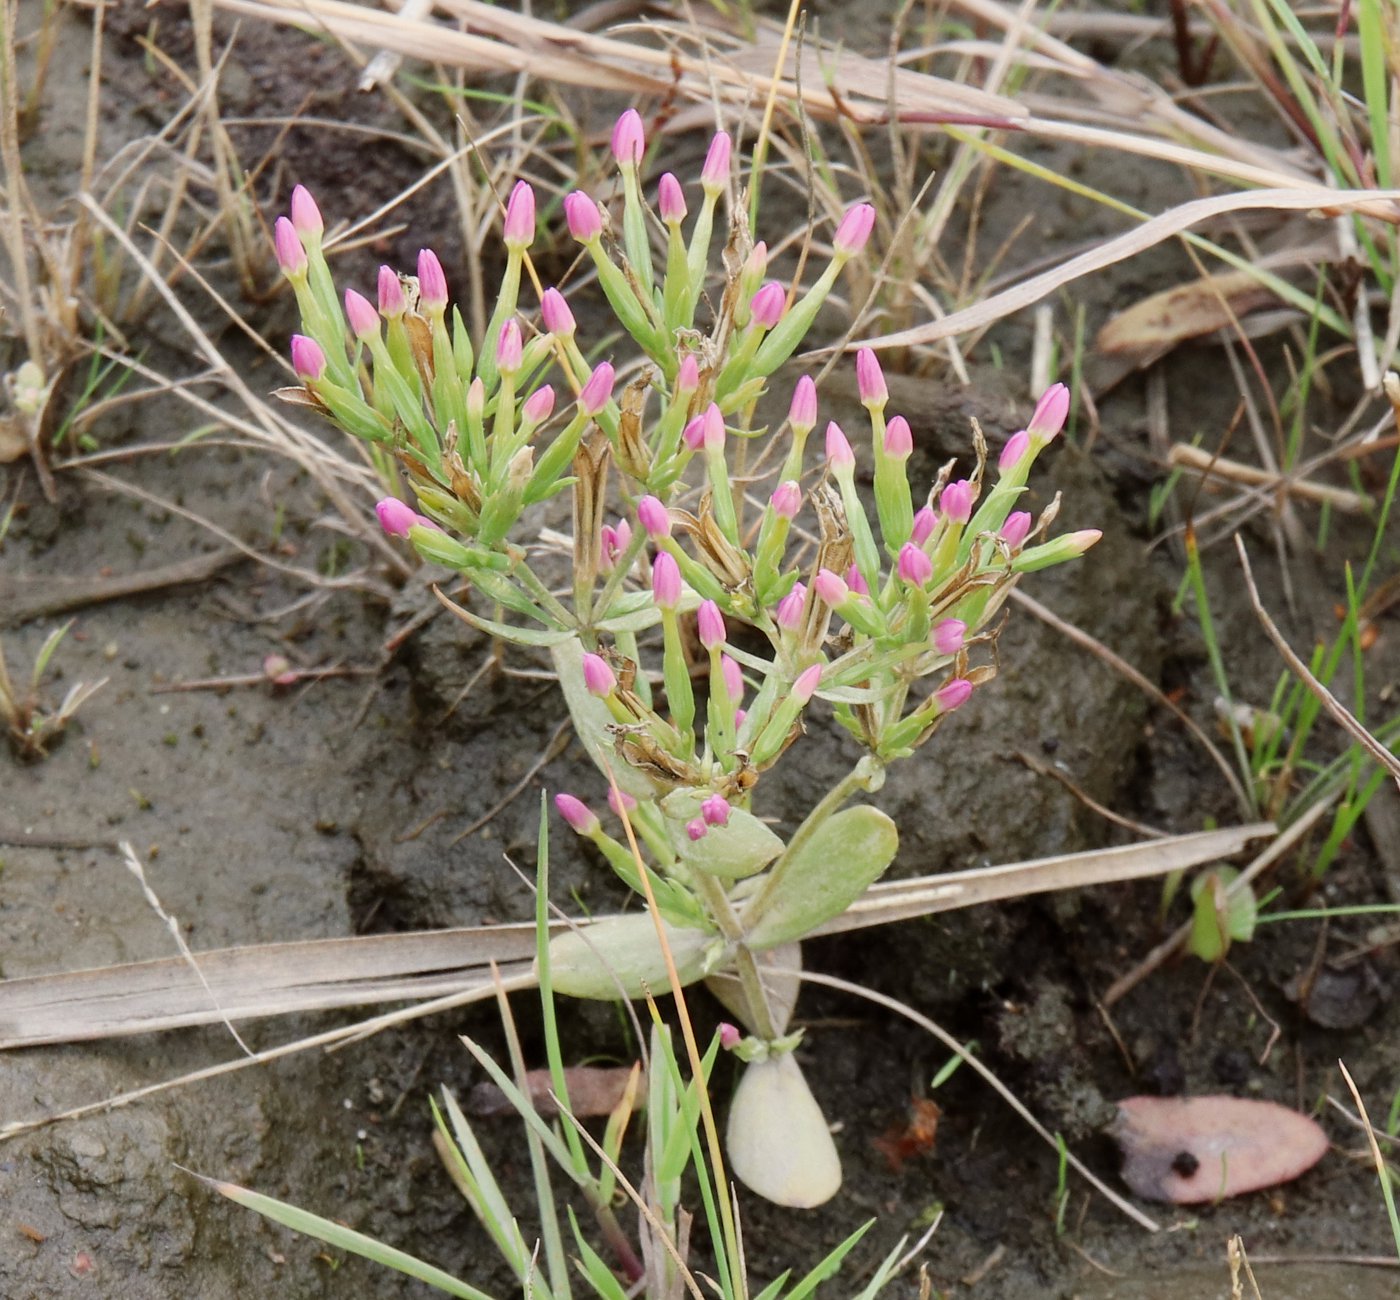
x=269 y=815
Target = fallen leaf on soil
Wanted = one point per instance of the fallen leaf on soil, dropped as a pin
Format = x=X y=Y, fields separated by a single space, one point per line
x=1192 y=1149
x=901 y=1142
x=593 y=1090
x=1157 y=324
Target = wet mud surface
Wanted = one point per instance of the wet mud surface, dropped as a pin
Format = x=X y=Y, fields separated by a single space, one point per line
x=335 y=807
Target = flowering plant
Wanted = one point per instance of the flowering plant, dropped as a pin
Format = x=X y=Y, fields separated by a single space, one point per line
x=881 y=618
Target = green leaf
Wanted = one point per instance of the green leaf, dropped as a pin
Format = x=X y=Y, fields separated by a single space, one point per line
x=829 y=1266
x=621 y=957
x=828 y=871
x=741 y=847
x=1220 y=918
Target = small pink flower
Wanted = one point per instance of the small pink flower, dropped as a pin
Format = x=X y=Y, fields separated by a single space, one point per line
x=831 y=588
x=597 y=392
x=729 y=1036
x=714 y=176
x=620 y=801
x=629 y=139
x=291 y=256
x=432 y=284
x=712 y=428
x=956 y=501
x=1050 y=413
x=709 y=623
x=554 y=311
x=688 y=376
x=733 y=678
x=539 y=406
x=715 y=810
x=949 y=635
x=585 y=221
x=899 y=438
x=838 y=449
x=613 y=542
x=395 y=518
x=665 y=581
x=1016 y=528
x=392 y=304
x=802 y=414
x=766 y=306
x=359 y=311
x=654 y=518
x=307 y=358
x=577 y=814
x=1017 y=445
x=854 y=231
x=598 y=678
x=925 y=521
x=953 y=694
x=693 y=435
x=696 y=829
x=788 y=614
x=806 y=684
x=509 y=348
x=855 y=580
x=786 y=499
x=670 y=199
x=914 y=566
x=870 y=379
x=519 y=228
x=306 y=216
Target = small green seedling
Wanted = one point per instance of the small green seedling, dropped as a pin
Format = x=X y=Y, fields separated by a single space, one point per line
x=1220 y=917
x=33 y=728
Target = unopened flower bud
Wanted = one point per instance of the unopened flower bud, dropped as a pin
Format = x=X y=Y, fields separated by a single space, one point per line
x=786 y=499
x=715 y=810
x=597 y=392
x=307 y=358
x=953 y=694
x=956 y=501
x=806 y=684
x=729 y=1036
x=914 y=565
x=925 y=521
x=1016 y=528
x=620 y=801
x=855 y=580
x=554 y=311
x=709 y=623
x=509 y=348
x=628 y=139
x=432 y=284
x=670 y=200
x=788 y=614
x=712 y=430
x=395 y=518
x=766 y=307
x=733 y=677
x=1050 y=414
x=693 y=435
x=598 y=678
x=831 y=588
x=392 y=304
x=870 y=379
x=359 y=311
x=665 y=581
x=838 y=449
x=577 y=814
x=854 y=231
x=306 y=216
x=714 y=176
x=899 y=439
x=696 y=829
x=654 y=518
x=802 y=414
x=291 y=256
x=520 y=217
x=585 y=221
x=688 y=376
x=949 y=635
x=539 y=406
x=1016 y=447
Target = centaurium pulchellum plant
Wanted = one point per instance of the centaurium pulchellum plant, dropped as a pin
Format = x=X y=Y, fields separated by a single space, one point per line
x=882 y=620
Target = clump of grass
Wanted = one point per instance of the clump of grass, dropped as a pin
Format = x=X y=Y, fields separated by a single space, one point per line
x=32 y=726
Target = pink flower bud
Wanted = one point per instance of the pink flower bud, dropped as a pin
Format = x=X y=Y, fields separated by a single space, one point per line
x=598 y=678
x=714 y=176
x=278 y=670
x=654 y=518
x=670 y=200
x=739 y=716
x=925 y=521
x=696 y=829
x=709 y=623
x=712 y=428
x=802 y=414
x=688 y=376
x=715 y=810
x=629 y=139
x=786 y=499
x=306 y=216
x=555 y=313
x=665 y=581
x=509 y=348
x=838 y=450
x=432 y=284
x=395 y=518
x=788 y=614
x=756 y=263
x=854 y=231
x=476 y=398
x=1050 y=413
x=519 y=228
x=364 y=320
x=1017 y=445
x=953 y=694
x=733 y=677
x=392 y=304
x=899 y=438
x=539 y=406
x=291 y=256
x=1016 y=528
x=831 y=588
x=806 y=684
x=914 y=566
x=855 y=580
x=766 y=306
x=614 y=541
x=949 y=635
x=577 y=814
x=585 y=221
x=1078 y=543
x=870 y=379
x=307 y=358
x=693 y=435
x=729 y=1036
x=597 y=392
x=620 y=801
x=956 y=502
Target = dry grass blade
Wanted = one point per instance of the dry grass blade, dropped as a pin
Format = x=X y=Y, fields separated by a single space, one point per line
x=1184 y=456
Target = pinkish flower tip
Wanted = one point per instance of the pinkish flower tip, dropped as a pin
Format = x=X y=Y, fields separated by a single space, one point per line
x=307 y=358
x=870 y=379
x=712 y=428
x=914 y=566
x=709 y=623
x=306 y=216
x=395 y=518
x=1016 y=528
x=788 y=614
x=291 y=256
x=925 y=521
x=585 y=221
x=831 y=588
x=432 y=284
x=670 y=200
x=949 y=635
x=1078 y=543
x=665 y=581
x=577 y=814
x=688 y=376
x=786 y=499
x=956 y=501
x=654 y=518
x=729 y=1036
x=597 y=392
x=806 y=684
x=853 y=233
x=715 y=810
x=392 y=303
x=598 y=678
x=519 y=228
x=620 y=801
x=359 y=311
x=838 y=449
x=629 y=139
x=802 y=414
x=539 y=406
x=899 y=439
x=693 y=435
x=278 y=670
x=733 y=678
x=766 y=306
x=696 y=829
x=714 y=176
x=554 y=311
x=1016 y=447
x=509 y=348
x=1050 y=413
x=953 y=694
x=855 y=580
